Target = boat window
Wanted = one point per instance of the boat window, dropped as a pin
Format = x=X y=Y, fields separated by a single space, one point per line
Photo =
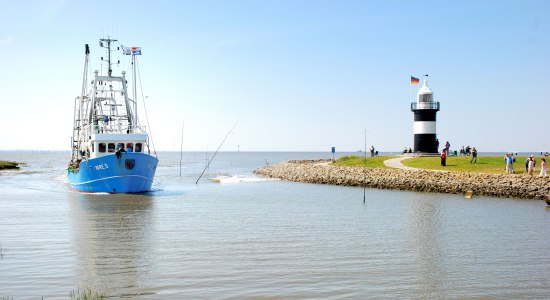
x=101 y=147
x=111 y=147
x=130 y=146
x=138 y=147
x=120 y=145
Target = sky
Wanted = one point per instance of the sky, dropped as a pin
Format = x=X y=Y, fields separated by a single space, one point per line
x=295 y=75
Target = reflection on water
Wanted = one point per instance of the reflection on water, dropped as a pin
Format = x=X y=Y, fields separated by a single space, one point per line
x=235 y=235
x=425 y=218
x=112 y=236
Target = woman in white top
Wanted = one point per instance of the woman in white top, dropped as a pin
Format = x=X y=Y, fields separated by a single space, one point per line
x=542 y=167
x=531 y=166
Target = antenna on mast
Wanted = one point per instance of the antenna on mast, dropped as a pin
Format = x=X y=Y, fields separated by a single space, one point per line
x=108 y=40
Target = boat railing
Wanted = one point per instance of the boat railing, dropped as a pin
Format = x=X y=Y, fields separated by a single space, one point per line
x=118 y=128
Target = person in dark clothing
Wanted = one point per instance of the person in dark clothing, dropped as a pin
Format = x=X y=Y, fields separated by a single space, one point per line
x=119 y=151
x=474 y=155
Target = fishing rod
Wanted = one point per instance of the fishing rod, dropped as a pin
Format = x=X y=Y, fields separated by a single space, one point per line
x=207 y=165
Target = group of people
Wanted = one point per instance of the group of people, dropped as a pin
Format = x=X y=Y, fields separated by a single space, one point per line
x=372 y=151
x=530 y=164
x=466 y=150
x=445 y=152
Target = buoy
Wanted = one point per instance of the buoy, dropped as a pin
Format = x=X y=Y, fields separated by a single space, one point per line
x=468 y=194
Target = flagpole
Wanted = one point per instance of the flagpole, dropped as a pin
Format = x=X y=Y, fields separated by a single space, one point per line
x=410 y=91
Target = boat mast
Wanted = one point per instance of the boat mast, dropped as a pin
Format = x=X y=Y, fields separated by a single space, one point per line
x=109 y=41
x=84 y=77
x=79 y=104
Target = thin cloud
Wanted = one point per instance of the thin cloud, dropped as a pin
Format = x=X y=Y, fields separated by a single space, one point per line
x=229 y=42
x=6 y=40
x=51 y=9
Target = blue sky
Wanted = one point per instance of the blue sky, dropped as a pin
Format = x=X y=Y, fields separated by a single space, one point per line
x=296 y=75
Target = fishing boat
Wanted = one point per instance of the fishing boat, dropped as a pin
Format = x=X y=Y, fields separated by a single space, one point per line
x=110 y=148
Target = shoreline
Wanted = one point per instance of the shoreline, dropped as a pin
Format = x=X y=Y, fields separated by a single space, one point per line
x=492 y=185
x=9 y=165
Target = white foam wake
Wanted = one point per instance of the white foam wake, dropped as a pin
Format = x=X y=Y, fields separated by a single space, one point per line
x=224 y=179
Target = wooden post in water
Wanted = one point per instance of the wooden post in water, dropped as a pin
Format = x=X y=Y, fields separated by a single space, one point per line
x=365 y=170
x=181 y=147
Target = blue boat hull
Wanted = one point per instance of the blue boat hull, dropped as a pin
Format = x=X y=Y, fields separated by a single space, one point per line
x=132 y=172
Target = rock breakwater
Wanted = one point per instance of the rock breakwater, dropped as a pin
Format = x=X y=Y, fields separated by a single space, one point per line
x=494 y=185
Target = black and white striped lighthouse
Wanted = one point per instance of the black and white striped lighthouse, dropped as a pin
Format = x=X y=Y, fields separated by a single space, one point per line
x=425 y=109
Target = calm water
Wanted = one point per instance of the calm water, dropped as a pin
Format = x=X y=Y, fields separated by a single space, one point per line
x=242 y=236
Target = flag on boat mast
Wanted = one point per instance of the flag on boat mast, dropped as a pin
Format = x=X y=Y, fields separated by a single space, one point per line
x=131 y=50
x=414 y=80
x=126 y=50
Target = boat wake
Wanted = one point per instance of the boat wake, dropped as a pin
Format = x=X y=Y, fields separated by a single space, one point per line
x=15 y=172
x=232 y=179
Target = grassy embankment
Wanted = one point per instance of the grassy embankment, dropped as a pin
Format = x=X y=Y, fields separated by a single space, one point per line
x=359 y=161
x=485 y=164
x=6 y=165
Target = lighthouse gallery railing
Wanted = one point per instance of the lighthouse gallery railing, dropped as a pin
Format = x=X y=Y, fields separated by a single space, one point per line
x=424 y=105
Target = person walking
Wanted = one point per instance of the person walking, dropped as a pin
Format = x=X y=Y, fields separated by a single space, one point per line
x=447 y=147
x=474 y=155
x=542 y=167
x=530 y=165
x=509 y=163
x=443 y=158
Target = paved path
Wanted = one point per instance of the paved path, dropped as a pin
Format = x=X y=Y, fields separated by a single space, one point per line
x=396 y=163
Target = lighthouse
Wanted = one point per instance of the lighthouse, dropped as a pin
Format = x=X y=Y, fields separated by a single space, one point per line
x=425 y=109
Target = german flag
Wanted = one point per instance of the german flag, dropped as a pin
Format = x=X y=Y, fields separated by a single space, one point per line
x=414 y=80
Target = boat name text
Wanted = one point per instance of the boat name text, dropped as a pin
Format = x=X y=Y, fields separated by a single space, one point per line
x=102 y=167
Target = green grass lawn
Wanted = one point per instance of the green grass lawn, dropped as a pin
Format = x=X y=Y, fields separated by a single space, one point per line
x=355 y=160
x=485 y=164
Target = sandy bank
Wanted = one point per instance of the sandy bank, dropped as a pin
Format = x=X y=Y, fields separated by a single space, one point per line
x=494 y=185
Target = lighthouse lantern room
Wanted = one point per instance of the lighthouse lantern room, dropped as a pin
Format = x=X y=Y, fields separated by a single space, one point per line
x=425 y=109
